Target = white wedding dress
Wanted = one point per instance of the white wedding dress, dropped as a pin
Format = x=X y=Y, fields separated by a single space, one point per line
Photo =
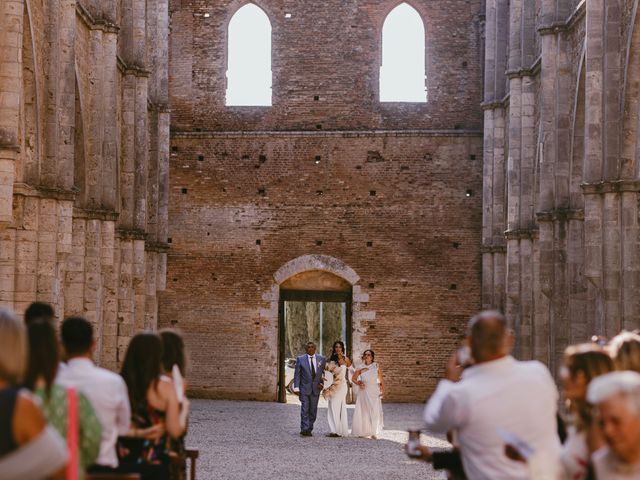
x=337 y=403
x=367 y=418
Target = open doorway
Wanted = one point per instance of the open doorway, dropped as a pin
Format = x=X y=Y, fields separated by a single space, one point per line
x=310 y=315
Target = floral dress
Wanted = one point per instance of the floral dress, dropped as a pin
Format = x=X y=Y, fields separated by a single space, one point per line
x=56 y=411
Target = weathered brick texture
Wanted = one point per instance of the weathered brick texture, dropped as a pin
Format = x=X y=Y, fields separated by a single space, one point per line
x=391 y=190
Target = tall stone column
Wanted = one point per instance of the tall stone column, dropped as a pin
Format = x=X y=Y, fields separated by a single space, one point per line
x=11 y=32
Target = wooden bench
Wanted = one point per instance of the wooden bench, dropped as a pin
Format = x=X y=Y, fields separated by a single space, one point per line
x=192 y=455
x=112 y=476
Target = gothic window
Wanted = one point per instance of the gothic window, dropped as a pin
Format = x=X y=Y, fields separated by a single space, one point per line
x=402 y=72
x=249 y=58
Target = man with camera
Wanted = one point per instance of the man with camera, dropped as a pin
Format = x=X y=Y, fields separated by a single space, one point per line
x=489 y=400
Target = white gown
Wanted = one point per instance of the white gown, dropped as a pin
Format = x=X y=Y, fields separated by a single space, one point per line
x=367 y=418
x=337 y=403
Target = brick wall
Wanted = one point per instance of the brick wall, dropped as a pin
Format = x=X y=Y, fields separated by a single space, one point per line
x=381 y=187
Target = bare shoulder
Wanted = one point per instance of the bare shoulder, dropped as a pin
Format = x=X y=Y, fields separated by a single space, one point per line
x=28 y=418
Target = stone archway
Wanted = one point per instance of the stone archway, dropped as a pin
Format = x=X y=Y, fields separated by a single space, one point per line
x=295 y=274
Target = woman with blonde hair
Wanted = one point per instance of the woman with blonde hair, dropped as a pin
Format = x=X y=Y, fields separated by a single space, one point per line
x=625 y=350
x=28 y=447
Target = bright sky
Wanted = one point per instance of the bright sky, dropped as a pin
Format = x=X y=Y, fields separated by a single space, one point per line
x=402 y=74
x=249 y=73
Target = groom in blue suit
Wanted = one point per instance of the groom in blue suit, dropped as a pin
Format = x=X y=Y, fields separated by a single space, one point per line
x=308 y=381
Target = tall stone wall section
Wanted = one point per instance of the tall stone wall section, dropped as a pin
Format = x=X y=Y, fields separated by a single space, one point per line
x=84 y=144
x=560 y=235
x=392 y=191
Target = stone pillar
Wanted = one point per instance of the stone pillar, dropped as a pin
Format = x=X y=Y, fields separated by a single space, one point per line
x=11 y=32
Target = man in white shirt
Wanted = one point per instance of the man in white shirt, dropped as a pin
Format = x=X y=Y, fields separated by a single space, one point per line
x=106 y=390
x=497 y=400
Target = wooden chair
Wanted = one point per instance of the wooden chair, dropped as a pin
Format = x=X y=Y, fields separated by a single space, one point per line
x=192 y=455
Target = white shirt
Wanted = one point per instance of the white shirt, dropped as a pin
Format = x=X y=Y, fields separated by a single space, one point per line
x=519 y=397
x=607 y=466
x=314 y=361
x=108 y=395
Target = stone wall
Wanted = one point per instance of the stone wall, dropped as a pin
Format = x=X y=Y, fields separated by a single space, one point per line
x=84 y=145
x=390 y=191
x=560 y=236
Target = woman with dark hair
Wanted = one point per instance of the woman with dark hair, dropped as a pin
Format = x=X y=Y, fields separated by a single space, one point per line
x=582 y=363
x=153 y=402
x=174 y=366
x=62 y=407
x=367 y=418
x=336 y=393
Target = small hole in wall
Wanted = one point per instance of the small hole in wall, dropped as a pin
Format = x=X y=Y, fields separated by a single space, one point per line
x=200 y=158
x=169 y=240
x=318 y=127
x=372 y=193
x=464 y=64
x=453 y=286
x=262 y=191
x=469 y=193
x=369 y=244
x=318 y=242
x=472 y=157
x=372 y=285
x=316 y=98
x=174 y=148
x=319 y=192
x=184 y=190
x=262 y=158
x=456 y=245
x=258 y=242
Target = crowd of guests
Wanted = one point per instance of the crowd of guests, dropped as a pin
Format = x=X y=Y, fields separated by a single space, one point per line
x=502 y=415
x=63 y=417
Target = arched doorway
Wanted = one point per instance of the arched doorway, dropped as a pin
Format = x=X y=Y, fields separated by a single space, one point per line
x=318 y=281
x=316 y=306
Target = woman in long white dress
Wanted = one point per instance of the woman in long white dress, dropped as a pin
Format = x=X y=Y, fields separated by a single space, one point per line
x=336 y=394
x=368 y=418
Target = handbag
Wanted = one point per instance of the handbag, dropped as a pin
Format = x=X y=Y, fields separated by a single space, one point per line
x=72 y=434
x=350 y=397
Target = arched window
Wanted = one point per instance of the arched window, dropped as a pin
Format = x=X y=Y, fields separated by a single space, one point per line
x=402 y=73
x=249 y=58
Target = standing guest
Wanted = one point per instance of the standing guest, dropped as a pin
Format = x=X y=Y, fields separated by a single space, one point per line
x=28 y=447
x=153 y=402
x=367 y=417
x=58 y=401
x=336 y=394
x=616 y=397
x=174 y=366
x=625 y=350
x=496 y=394
x=106 y=390
x=39 y=311
x=307 y=380
x=582 y=363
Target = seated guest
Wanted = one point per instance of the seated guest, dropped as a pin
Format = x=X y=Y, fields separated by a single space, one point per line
x=106 y=390
x=28 y=447
x=616 y=397
x=61 y=405
x=39 y=311
x=153 y=401
x=174 y=366
x=495 y=397
x=625 y=350
x=582 y=363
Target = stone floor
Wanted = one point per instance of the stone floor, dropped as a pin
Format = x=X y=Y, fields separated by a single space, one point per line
x=256 y=440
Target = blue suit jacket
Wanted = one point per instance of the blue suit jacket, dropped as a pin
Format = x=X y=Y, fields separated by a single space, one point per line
x=302 y=377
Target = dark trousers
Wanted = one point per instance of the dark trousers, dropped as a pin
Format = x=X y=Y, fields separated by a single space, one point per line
x=308 y=411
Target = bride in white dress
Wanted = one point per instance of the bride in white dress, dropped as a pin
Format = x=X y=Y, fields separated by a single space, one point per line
x=336 y=394
x=367 y=418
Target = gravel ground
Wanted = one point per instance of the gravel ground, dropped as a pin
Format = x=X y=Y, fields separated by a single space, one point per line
x=256 y=440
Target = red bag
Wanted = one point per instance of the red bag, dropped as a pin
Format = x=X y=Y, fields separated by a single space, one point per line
x=72 y=434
